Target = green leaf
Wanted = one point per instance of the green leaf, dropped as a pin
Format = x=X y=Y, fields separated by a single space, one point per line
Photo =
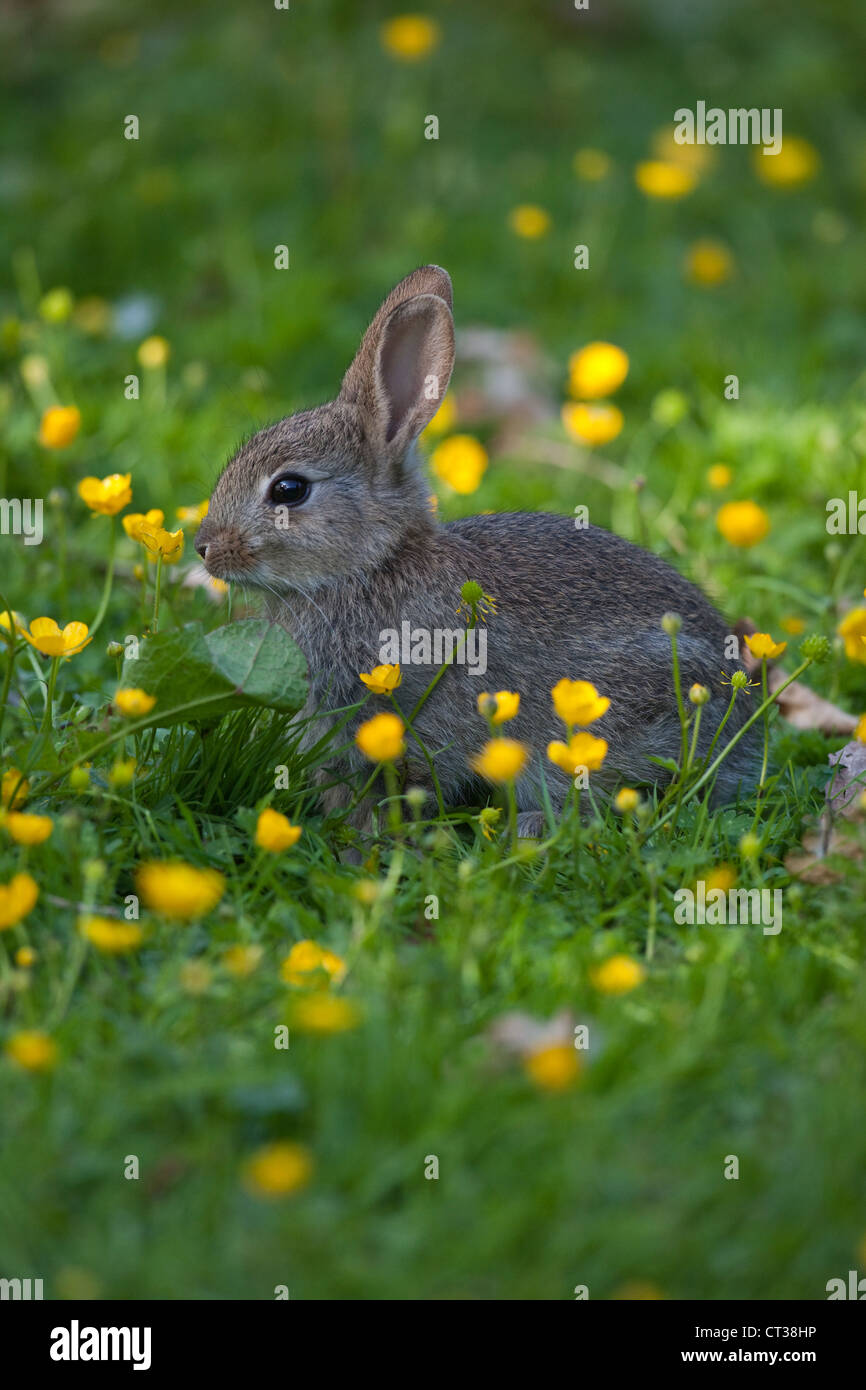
x=198 y=675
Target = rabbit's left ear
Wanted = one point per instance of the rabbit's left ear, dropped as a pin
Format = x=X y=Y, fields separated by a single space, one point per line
x=404 y=363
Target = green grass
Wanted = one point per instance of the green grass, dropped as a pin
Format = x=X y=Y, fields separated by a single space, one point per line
x=258 y=128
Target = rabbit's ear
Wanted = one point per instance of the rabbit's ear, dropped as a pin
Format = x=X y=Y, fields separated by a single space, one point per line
x=404 y=362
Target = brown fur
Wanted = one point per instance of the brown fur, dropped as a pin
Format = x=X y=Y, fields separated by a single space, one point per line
x=364 y=554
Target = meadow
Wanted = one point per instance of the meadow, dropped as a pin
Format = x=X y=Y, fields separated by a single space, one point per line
x=269 y=1071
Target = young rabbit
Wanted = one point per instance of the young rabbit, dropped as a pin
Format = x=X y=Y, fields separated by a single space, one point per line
x=329 y=513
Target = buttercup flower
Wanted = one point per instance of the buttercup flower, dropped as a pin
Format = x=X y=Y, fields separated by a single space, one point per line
x=596 y=370
x=695 y=158
x=794 y=626
x=17 y=898
x=241 y=961
x=381 y=738
x=554 y=1068
x=501 y=760
x=195 y=515
x=382 y=679
x=852 y=630
x=278 y=1170
x=106 y=495
x=578 y=702
x=662 y=178
x=59 y=426
x=709 y=263
x=618 y=975
x=487 y=819
x=719 y=476
x=529 y=221
x=699 y=694
x=743 y=523
x=275 y=832
x=11 y=629
x=110 y=937
x=156 y=540
x=591 y=165
x=860 y=731
x=122 y=772
x=409 y=37
x=13 y=789
x=32 y=1050
x=722 y=876
x=324 y=1013
x=154 y=352
x=626 y=800
x=461 y=462
x=133 y=522
x=48 y=638
x=592 y=424
x=762 y=646
x=27 y=829
x=312 y=965
x=499 y=708
x=179 y=891
x=582 y=750
x=797 y=162
x=134 y=703
x=25 y=957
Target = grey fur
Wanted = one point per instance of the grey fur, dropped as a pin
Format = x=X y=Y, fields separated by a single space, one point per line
x=365 y=554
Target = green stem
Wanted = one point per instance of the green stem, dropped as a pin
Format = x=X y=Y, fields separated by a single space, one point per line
x=435 y=681
x=684 y=742
x=48 y=716
x=10 y=664
x=157 y=585
x=109 y=577
x=766 y=726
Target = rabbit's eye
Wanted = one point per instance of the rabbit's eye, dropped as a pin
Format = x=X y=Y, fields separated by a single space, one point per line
x=289 y=491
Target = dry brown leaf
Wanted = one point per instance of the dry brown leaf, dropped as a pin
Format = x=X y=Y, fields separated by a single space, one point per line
x=812 y=865
x=848 y=782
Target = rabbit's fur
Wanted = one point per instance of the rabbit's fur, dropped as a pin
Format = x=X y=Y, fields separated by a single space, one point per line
x=364 y=554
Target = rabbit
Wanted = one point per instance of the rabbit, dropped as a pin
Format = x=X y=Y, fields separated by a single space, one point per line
x=328 y=513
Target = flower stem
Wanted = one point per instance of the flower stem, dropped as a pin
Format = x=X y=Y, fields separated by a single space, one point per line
x=109 y=577
x=157 y=585
x=48 y=716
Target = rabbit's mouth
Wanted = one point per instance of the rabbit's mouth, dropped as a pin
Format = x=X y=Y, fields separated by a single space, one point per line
x=227 y=555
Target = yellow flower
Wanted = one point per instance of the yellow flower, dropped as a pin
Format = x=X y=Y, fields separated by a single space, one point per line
x=554 y=1068
x=168 y=544
x=461 y=462
x=134 y=703
x=592 y=424
x=762 y=646
x=17 y=625
x=699 y=694
x=59 y=426
x=26 y=829
x=381 y=738
x=177 y=890
x=133 y=522
x=48 y=639
x=793 y=626
x=241 y=961
x=582 y=750
x=529 y=221
x=618 y=975
x=154 y=352
x=797 y=162
x=501 y=760
x=195 y=515
x=487 y=819
x=9 y=796
x=709 y=263
x=17 y=898
x=444 y=420
x=25 y=956
x=112 y=938
x=312 y=965
x=626 y=800
x=723 y=876
x=499 y=708
x=106 y=495
x=93 y=315
x=278 y=1170
x=852 y=630
x=695 y=158
x=32 y=1050
x=743 y=523
x=56 y=305
x=596 y=370
x=324 y=1013
x=195 y=977
x=860 y=731
x=591 y=165
x=275 y=832
x=638 y=1290
x=382 y=679
x=719 y=476
x=662 y=178
x=122 y=772
x=578 y=702
x=410 y=37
